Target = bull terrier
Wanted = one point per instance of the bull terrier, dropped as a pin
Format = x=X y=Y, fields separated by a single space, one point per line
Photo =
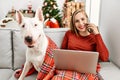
x=36 y=41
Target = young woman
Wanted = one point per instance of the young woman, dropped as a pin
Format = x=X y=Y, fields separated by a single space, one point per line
x=82 y=36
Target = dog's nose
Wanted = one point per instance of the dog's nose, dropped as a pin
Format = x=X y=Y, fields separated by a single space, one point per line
x=28 y=39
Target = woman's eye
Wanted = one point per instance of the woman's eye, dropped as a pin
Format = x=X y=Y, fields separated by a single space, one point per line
x=82 y=19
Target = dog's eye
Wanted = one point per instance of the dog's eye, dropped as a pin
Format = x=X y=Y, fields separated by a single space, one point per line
x=35 y=25
x=23 y=25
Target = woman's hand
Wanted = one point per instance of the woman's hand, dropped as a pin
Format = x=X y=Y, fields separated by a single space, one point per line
x=93 y=27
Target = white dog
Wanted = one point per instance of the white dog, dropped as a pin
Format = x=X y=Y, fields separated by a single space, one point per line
x=36 y=40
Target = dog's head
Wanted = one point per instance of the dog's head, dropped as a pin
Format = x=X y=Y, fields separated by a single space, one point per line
x=31 y=28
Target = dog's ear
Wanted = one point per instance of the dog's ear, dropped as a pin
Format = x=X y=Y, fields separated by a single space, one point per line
x=19 y=17
x=39 y=14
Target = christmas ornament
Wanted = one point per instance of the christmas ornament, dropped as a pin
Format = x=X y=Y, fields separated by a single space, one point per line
x=51 y=23
x=45 y=4
x=54 y=6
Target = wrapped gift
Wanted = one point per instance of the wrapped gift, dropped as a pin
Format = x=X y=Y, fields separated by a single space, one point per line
x=68 y=10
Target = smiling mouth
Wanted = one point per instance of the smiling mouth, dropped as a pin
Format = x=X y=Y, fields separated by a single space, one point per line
x=81 y=27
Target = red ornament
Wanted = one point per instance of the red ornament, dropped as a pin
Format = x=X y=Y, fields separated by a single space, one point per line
x=52 y=23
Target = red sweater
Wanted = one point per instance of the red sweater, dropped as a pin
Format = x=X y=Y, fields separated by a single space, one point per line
x=87 y=43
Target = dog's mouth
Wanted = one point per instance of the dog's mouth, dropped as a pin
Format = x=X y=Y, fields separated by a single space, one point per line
x=30 y=46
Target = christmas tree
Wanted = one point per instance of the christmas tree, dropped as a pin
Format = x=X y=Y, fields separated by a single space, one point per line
x=50 y=10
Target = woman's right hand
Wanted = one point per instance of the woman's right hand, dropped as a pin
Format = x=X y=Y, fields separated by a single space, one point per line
x=18 y=73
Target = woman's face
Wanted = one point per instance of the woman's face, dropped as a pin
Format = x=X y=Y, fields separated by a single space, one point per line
x=80 y=21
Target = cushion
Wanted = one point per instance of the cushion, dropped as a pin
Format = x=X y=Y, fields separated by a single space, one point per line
x=19 y=49
x=115 y=54
x=56 y=34
x=5 y=74
x=5 y=49
x=109 y=71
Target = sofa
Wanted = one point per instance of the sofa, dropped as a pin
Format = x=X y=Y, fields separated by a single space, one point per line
x=12 y=54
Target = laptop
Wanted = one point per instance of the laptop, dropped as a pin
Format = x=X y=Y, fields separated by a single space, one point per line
x=80 y=61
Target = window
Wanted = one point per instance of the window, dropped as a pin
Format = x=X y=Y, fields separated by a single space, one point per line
x=93 y=9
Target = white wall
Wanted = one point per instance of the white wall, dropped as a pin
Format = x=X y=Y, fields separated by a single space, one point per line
x=110 y=26
x=6 y=5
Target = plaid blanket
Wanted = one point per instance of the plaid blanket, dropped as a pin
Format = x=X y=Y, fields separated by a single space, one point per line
x=48 y=61
x=72 y=75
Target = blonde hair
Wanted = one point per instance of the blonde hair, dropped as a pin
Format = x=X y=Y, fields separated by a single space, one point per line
x=72 y=24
